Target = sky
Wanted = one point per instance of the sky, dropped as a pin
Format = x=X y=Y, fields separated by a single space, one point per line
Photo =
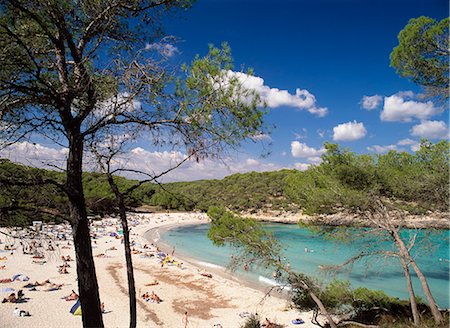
x=322 y=66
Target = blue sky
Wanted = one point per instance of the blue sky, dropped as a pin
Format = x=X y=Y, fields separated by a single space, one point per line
x=337 y=51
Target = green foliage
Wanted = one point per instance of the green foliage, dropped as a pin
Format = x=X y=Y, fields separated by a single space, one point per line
x=237 y=192
x=362 y=304
x=24 y=195
x=422 y=178
x=336 y=294
x=417 y=182
x=228 y=228
x=318 y=192
x=423 y=54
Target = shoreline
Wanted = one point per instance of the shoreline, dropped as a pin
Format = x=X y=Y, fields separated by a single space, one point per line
x=220 y=299
x=432 y=220
x=153 y=236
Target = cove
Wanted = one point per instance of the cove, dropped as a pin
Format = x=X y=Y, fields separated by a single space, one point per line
x=307 y=252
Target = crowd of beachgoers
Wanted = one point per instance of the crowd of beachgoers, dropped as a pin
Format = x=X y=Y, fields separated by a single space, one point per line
x=38 y=282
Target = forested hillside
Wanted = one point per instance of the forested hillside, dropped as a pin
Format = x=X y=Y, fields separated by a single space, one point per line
x=414 y=182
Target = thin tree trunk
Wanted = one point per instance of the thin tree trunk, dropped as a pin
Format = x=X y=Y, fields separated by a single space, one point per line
x=412 y=297
x=87 y=279
x=319 y=303
x=128 y=259
x=438 y=318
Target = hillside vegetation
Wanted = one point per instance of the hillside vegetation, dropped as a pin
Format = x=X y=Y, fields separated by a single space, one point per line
x=416 y=182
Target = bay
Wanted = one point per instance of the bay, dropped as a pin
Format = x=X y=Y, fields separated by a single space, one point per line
x=307 y=252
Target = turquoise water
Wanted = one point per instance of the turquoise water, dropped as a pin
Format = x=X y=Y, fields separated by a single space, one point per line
x=374 y=273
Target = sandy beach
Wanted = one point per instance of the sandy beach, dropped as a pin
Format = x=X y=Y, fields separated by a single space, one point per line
x=208 y=301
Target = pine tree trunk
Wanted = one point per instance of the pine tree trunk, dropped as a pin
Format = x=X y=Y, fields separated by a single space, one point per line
x=412 y=297
x=87 y=279
x=128 y=258
x=438 y=318
x=320 y=305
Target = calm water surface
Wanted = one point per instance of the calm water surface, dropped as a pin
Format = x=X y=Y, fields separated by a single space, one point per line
x=374 y=273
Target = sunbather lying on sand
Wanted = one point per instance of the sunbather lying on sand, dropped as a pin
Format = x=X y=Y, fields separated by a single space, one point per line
x=269 y=324
x=54 y=287
x=154 y=283
x=10 y=299
x=72 y=297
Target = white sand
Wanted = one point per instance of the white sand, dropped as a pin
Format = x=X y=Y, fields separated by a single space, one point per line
x=208 y=301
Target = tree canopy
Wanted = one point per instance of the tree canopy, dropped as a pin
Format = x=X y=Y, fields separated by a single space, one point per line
x=422 y=55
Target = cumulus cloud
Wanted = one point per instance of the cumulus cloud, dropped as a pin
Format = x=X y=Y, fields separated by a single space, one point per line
x=273 y=97
x=153 y=162
x=315 y=160
x=120 y=103
x=413 y=145
x=430 y=130
x=299 y=149
x=34 y=154
x=302 y=166
x=381 y=149
x=158 y=161
x=403 y=107
x=371 y=102
x=349 y=131
x=165 y=49
x=406 y=142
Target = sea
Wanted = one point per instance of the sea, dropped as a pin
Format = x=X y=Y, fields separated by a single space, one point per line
x=309 y=252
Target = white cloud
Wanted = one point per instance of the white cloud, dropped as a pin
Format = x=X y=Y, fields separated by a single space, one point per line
x=371 y=102
x=415 y=147
x=273 y=97
x=406 y=142
x=381 y=149
x=402 y=107
x=115 y=105
x=315 y=160
x=261 y=137
x=299 y=149
x=302 y=166
x=413 y=144
x=349 y=131
x=158 y=161
x=34 y=154
x=153 y=162
x=430 y=130
x=165 y=49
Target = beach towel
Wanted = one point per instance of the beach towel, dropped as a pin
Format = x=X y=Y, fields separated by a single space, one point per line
x=76 y=308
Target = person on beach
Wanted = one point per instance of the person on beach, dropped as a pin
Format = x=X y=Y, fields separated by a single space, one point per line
x=11 y=298
x=72 y=297
x=155 y=297
x=185 y=320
